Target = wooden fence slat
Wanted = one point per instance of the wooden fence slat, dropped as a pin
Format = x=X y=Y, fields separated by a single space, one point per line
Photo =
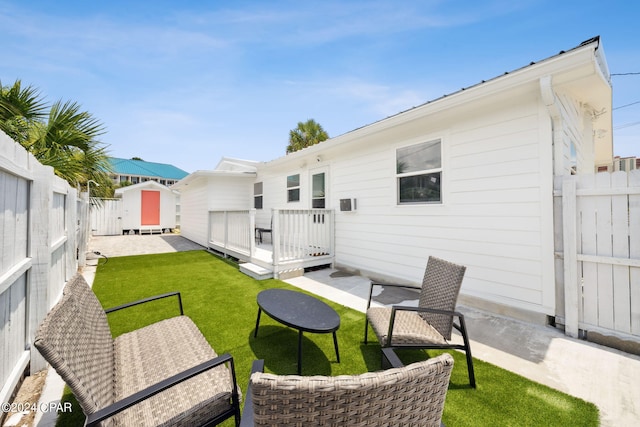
x=620 y=249
x=604 y=248
x=634 y=251
x=587 y=244
x=572 y=290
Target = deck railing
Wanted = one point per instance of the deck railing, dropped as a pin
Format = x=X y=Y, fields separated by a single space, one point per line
x=232 y=232
x=302 y=234
x=299 y=237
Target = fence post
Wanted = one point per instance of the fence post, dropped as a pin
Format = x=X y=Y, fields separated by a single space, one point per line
x=83 y=220
x=569 y=236
x=39 y=281
x=71 y=219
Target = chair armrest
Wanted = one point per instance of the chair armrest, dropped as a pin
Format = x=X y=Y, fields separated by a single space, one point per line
x=396 y=285
x=424 y=310
x=247 y=413
x=121 y=405
x=391 y=285
x=142 y=301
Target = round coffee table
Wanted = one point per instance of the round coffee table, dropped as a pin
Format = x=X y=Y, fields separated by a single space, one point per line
x=299 y=311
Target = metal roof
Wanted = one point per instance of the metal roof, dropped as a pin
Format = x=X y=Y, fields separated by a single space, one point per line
x=142 y=168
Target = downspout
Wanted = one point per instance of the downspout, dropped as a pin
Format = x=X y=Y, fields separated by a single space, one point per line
x=551 y=102
x=569 y=223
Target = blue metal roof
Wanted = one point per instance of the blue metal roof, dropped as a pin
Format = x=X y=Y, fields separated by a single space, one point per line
x=142 y=168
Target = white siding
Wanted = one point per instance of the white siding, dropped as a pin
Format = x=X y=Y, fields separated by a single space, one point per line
x=491 y=219
x=194 y=212
x=274 y=193
x=230 y=193
x=211 y=193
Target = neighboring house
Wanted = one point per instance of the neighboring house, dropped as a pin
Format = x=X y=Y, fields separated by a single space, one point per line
x=467 y=177
x=625 y=164
x=137 y=171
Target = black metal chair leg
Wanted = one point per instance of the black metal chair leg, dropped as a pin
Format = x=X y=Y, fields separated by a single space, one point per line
x=366 y=329
x=300 y=352
x=467 y=351
x=255 y=334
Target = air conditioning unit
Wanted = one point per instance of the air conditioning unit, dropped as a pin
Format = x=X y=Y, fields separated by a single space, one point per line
x=348 y=205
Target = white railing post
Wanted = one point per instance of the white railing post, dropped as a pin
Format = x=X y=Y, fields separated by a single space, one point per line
x=252 y=232
x=332 y=242
x=570 y=248
x=225 y=224
x=209 y=228
x=275 y=237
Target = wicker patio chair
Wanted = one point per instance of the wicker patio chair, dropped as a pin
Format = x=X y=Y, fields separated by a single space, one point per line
x=429 y=325
x=411 y=395
x=164 y=374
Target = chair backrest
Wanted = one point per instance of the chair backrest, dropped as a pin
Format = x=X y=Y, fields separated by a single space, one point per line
x=411 y=395
x=440 y=289
x=76 y=340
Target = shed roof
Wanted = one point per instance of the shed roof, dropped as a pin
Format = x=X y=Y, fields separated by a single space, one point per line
x=142 y=168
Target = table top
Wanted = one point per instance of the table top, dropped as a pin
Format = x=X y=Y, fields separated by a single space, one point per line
x=299 y=311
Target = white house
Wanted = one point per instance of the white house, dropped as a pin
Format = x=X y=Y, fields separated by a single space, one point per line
x=467 y=177
x=147 y=207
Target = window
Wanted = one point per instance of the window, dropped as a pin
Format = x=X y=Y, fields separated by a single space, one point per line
x=419 y=173
x=317 y=191
x=293 y=188
x=257 y=195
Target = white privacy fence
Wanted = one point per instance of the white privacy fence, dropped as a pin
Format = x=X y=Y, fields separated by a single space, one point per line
x=43 y=226
x=106 y=217
x=599 y=244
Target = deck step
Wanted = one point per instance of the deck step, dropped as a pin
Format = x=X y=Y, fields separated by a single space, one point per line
x=151 y=230
x=256 y=271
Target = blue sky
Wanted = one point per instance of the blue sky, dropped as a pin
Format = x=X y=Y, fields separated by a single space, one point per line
x=189 y=82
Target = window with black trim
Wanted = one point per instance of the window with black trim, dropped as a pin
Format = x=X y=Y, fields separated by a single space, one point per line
x=257 y=195
x=318 y=191
x=419 y=173
x=293 y=188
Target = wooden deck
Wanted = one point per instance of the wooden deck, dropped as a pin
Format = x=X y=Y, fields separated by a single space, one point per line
x=299 y=239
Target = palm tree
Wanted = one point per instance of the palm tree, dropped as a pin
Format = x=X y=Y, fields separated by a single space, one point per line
x=65 y=138
x=20 y=108
x=306 y=134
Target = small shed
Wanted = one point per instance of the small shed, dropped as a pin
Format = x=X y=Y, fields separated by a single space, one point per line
x=147 y=207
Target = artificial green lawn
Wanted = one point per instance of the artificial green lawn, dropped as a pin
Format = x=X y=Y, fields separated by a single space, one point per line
x=222 y=302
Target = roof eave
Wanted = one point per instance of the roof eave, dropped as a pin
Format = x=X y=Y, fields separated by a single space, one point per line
x=192 y=177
